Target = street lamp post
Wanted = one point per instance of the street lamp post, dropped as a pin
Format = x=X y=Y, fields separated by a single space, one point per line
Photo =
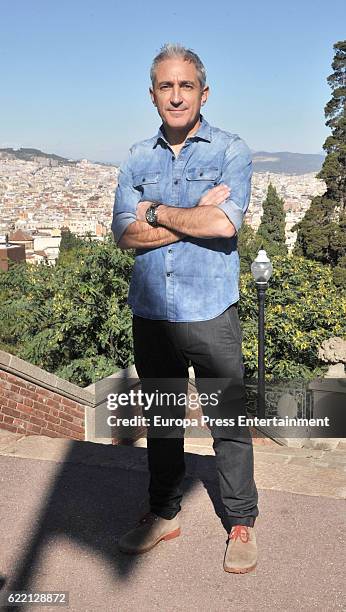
x=261 y=270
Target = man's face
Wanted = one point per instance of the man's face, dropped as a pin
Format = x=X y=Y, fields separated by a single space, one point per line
x=177 y=93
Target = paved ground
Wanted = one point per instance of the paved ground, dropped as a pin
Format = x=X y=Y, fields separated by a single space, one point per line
x=64 y=504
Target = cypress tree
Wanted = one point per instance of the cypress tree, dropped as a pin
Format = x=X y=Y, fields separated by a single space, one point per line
x=322 y=231
x=69 y=240
x=248 y=246
x=272 y=227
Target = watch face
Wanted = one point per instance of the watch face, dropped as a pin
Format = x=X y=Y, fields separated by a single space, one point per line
x=151 y=216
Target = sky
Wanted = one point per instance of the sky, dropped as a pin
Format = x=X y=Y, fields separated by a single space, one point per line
x=75 y=73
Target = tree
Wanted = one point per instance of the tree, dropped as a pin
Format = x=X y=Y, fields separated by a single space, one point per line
x=14 y=287
x=248 y=246
x=272 y=227
x=68 y=242
x=315 y=230
x=334 y=167
x=303 y=308
x=71 y=319
x=321 y=233
x=74 y=320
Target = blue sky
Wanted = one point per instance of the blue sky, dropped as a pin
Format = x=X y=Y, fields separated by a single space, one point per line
x=75 y=73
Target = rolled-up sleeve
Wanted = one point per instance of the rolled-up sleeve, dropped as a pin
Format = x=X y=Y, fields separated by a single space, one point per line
x=237 y=174
x=125 y=202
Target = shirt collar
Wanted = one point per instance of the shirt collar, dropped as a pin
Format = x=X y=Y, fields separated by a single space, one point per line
x=203 y=133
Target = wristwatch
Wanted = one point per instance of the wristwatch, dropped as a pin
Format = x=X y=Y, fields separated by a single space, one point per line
x=151 y=214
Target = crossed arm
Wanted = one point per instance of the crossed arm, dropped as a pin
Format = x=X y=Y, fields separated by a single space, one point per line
x=204 y=221
x=217 y=215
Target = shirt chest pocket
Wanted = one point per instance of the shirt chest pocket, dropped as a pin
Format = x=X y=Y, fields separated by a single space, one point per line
x=199 y=181
x=148 y=184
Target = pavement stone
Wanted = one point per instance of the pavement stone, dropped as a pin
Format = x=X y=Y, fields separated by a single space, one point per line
x=37 y=447
x=8 y=438
x=62 y=521
x=297 y=470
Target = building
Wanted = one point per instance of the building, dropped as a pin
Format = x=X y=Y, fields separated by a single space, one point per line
x=11 y=253
x=23 y=238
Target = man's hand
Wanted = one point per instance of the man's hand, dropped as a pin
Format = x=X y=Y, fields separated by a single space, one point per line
x=141 y=210
x=195 y=222
x=215 y=196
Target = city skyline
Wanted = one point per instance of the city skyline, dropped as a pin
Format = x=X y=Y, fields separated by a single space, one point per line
x=28 y=153
x=81 y=196
x=75 y=78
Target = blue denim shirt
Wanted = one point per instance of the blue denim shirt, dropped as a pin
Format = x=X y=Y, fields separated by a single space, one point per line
x=194 y=279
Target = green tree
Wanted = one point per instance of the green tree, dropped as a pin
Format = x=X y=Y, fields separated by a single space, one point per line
x=248 y=246
x=272 y=227
x=68 y=242
x=303 y=308
x=14 y=287
x=71 y=319
x=315 y=231
x=321 y=233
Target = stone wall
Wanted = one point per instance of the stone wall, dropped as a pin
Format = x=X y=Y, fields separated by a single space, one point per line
x=33 y=401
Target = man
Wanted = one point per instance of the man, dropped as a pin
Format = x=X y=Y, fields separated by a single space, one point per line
x=180 y=202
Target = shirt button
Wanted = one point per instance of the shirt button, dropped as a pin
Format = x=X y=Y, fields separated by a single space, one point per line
x=201 y=174
x=168 y=273
x=176 y=182
x=170 y=251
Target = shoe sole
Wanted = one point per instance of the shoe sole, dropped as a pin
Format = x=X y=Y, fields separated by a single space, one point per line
x=235 y=570
x=168 y=536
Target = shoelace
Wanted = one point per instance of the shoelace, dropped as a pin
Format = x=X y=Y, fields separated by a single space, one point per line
x=240 y=531
x=148 y=518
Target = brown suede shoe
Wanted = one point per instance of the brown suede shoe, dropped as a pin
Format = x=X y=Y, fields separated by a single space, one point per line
x=241 y=552
x=150 y=530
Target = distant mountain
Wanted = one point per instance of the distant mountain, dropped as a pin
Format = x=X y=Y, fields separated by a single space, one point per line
x=104 y=163
x=280 y=162
x=286 y=163
x=49 y=159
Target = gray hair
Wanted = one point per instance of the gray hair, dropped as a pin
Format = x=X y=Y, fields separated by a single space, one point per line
x=170 y=50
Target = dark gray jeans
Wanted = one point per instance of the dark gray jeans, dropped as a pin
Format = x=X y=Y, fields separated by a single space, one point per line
x=163 y=353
